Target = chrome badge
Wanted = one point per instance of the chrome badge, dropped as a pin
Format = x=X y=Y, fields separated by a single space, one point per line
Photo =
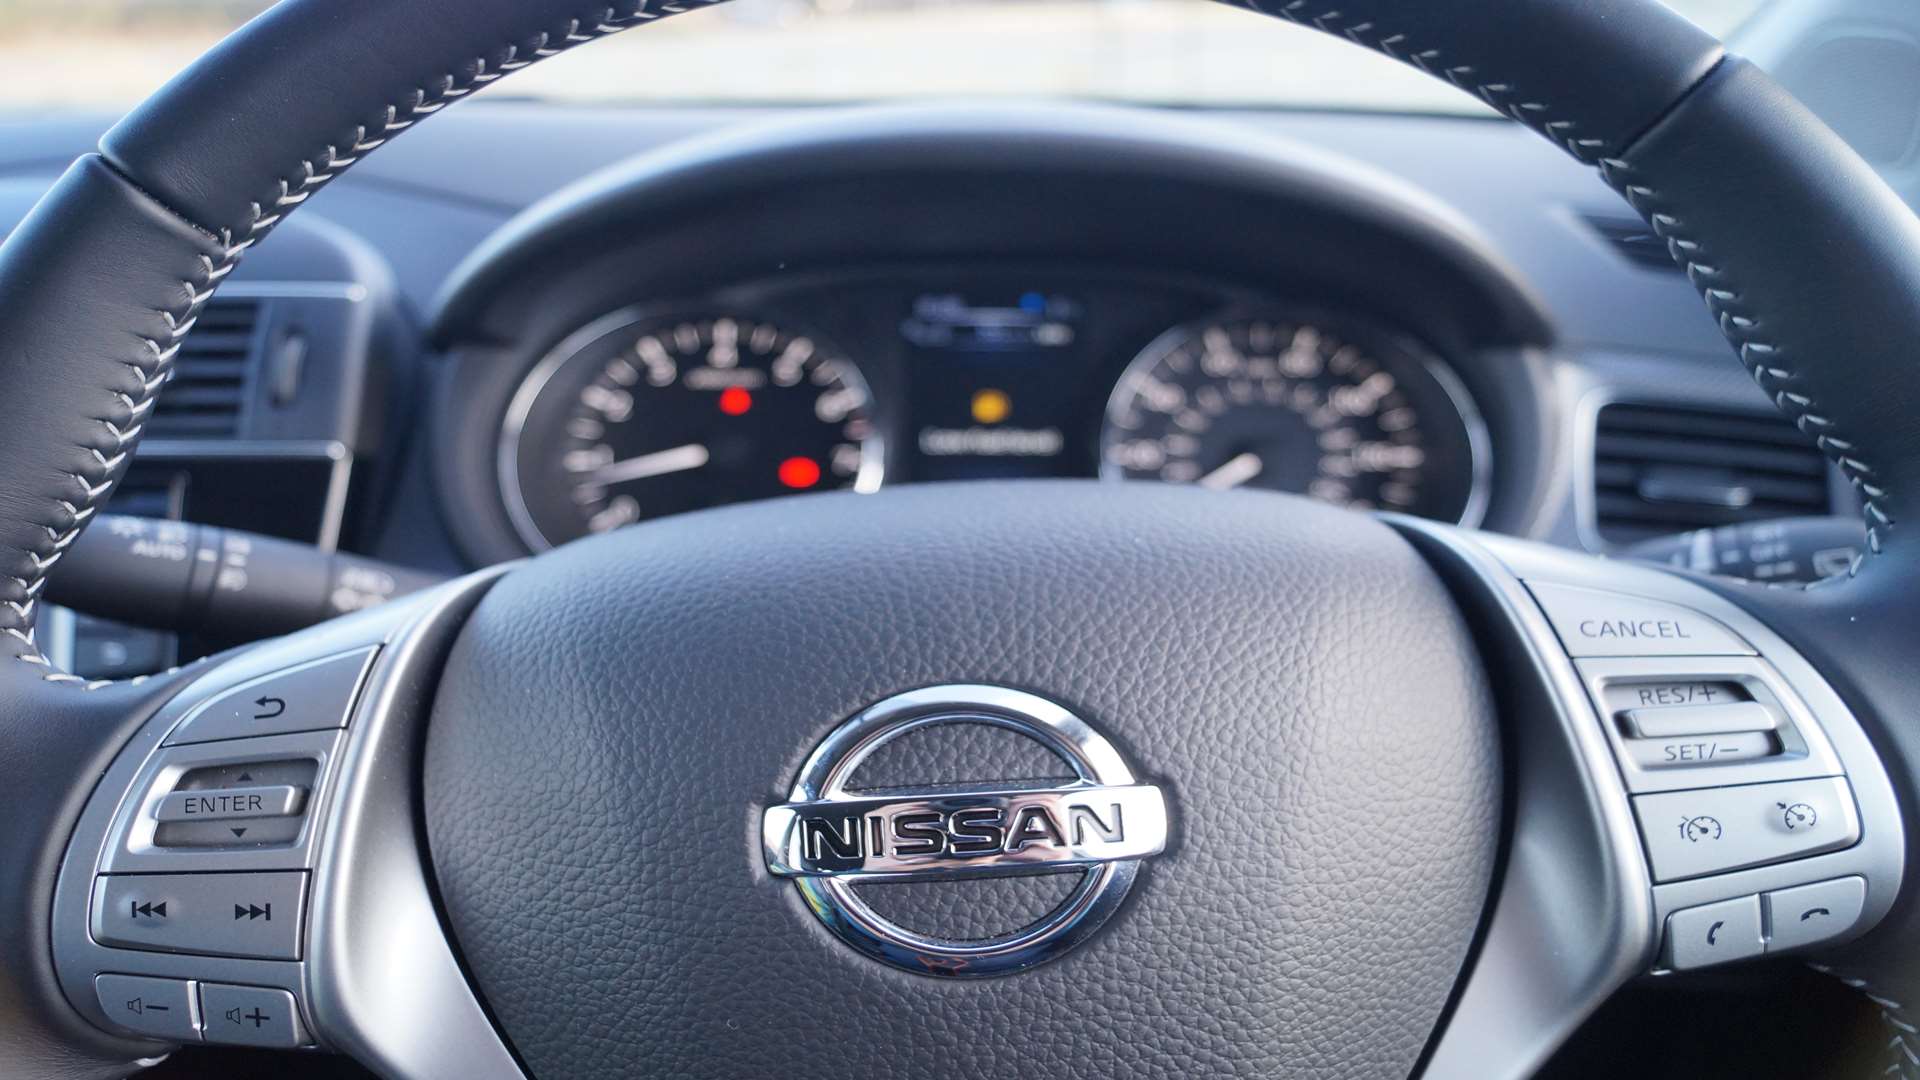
x=1095 y=821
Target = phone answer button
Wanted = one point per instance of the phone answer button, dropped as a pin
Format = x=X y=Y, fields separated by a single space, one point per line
x=1714 y=933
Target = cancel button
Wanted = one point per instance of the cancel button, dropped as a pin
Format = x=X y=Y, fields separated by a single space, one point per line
x=1594 y=623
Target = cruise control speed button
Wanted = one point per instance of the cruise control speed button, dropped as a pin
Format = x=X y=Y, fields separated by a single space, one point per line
x=1691 y=833
x=1727 y=719
x=255 y=915
x=1594 y=623
x=311 y=697
x=1687 y=753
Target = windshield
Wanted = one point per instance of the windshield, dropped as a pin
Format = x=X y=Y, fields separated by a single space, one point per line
x=108 y=54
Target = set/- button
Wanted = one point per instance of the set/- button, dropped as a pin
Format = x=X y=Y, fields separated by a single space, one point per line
x=1683 y=753
x=254 y=915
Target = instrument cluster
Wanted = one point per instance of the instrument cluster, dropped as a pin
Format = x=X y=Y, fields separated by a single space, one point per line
x=858 y=381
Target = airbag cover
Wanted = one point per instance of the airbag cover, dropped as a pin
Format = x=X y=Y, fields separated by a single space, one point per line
x=619 y=712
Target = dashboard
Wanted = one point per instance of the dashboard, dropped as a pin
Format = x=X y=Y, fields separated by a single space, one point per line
x=462 y=355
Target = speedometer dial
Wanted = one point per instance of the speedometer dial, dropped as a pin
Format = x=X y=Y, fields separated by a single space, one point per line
x=1352 y=417
x=639 y=416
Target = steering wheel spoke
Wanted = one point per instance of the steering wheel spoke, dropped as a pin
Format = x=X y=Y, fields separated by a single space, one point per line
x=249 y=870
x=1688 y=791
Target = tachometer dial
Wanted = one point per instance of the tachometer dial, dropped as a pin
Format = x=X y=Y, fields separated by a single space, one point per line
x=1355 y=418
x=639 y=416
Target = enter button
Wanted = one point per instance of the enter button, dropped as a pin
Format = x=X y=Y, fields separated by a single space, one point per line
x=223 y=804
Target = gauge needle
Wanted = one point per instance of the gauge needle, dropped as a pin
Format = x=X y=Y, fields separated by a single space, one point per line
x=1235 y=472
x=658 y=463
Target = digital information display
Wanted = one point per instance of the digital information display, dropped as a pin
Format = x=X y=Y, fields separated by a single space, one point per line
x=994 y=381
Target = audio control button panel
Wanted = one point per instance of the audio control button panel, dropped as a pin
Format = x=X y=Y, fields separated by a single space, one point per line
x=183 y=907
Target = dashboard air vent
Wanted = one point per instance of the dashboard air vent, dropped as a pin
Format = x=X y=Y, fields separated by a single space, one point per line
x=1660 y=470
x=209 y=385
x=1635 y=241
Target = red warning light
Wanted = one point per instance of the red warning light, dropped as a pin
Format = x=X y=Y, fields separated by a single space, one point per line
x=735 y=401
x=799 y=473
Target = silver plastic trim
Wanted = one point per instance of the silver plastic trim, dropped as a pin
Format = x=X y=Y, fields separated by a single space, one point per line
x=1572 y=916
x=172 y=449
x=350 y=291
x=830 y=893
x=382 y=982
x=333 y=511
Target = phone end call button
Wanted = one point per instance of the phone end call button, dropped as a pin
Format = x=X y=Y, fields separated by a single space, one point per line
x=1810 y=913
x=1715 y=933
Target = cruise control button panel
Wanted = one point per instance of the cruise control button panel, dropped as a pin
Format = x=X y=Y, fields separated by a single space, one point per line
x=256 y=915
x=1734 y=786
x=311 y=697
x=1712 y=831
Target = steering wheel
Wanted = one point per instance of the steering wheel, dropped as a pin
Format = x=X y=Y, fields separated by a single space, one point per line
x=975 y=780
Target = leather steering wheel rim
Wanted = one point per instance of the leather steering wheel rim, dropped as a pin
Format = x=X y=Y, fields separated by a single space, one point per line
x=1809 y=264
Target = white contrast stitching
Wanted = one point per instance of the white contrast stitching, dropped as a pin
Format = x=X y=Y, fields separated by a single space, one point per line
x=312 y=173
x=77 y=512
x=425 y=101
x=1763 y=359
x=1903 y=1044
x=1503 y=97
